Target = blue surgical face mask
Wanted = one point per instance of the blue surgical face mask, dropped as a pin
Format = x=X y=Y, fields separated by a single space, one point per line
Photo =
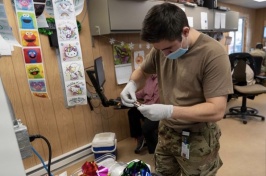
x=177 y=53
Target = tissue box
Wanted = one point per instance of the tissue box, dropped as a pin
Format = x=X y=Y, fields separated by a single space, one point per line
x=104 y=143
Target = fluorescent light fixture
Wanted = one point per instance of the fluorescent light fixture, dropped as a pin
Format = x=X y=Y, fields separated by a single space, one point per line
x=260 y=0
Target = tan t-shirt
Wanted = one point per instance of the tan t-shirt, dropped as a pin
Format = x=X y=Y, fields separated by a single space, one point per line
x=203 y=72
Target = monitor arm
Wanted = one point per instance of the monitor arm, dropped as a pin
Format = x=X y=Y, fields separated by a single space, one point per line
x=104 y=100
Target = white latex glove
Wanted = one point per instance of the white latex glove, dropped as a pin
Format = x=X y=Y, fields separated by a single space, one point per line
x=128 y=95
x=156 y=112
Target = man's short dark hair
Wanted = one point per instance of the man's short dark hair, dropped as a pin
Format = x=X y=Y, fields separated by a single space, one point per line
x=163 y=22
x=259 y=46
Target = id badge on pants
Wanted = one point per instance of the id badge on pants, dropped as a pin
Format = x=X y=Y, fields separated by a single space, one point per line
x=185 y=144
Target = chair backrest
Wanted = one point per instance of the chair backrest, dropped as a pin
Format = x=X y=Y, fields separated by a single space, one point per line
x=258 y=62
x=239 y=62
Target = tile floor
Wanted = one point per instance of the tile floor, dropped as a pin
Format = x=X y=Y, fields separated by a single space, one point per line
x=242 y=146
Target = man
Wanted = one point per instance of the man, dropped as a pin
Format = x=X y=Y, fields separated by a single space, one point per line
x=194 y=79
x=258 y=51
x=148 y=132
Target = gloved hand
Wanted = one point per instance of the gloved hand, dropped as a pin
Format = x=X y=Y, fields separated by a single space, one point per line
x=156 y=112
x=128 y=95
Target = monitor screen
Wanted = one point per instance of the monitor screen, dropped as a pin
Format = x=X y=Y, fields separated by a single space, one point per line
x=264 y=32
x=97 y=78
x=99 y=71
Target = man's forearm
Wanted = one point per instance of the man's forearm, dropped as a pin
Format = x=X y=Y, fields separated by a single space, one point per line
x=139 y=77
x=204 y=112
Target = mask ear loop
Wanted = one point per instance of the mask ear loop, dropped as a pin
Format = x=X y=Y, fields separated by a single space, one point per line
x=187 y=42
x=183 y=40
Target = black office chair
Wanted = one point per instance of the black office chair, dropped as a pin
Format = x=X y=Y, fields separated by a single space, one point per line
x=241 y=89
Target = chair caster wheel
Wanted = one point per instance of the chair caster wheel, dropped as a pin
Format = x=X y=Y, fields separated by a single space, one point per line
x=225 y=117
x=244 y=122
x=262 y=119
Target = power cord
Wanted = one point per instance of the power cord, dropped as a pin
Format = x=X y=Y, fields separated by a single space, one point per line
x=32 y=138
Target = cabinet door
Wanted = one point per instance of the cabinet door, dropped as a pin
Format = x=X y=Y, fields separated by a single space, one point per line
x=231 y=23
x=128 y=15
x=197 y=13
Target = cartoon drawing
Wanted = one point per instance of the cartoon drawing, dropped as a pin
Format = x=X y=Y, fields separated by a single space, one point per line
x=76 y=88
x=24 y=5
x=67 y=31
x=38 y=86
x=35 y=71
x=122 y=54
x=73 y=70
x=65 y=8
x=76 y=100
x=32 y=55
x=70 y=51
x=26 y=21
x=30 y=39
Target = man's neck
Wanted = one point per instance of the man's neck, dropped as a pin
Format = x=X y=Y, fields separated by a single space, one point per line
x=193 y=36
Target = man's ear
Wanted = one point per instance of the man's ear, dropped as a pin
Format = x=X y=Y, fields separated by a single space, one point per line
x=185 y=31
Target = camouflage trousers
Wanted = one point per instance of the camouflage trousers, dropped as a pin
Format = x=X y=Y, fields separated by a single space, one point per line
x=204 y=159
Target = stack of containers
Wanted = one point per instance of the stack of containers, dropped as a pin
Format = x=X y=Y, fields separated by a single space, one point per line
x=103 y=143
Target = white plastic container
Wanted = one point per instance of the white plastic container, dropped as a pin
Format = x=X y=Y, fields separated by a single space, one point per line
x=103 y=143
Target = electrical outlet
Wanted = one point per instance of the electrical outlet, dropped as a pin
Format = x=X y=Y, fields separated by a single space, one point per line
x=23 y=139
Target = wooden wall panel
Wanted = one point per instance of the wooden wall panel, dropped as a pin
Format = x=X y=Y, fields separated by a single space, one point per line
x=66 y=129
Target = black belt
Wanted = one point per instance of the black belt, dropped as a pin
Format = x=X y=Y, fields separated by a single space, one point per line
x=196 y=128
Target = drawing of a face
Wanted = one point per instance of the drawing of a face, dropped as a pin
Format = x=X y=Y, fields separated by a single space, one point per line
x=37 y=86
x=33 y=56
x=24 y=4
x=67 y=32
x=30 y=38
x=71 y=51
x=34 y=71
x=26 y=21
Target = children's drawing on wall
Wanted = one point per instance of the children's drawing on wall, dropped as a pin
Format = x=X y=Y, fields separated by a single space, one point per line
x=67 y=30
x=122 y=54
x=30 y=38
x=27 y=20
x=64 y=9
x=138 y=58
x=34 y=71
x=70 y=51
x=79 y=4
x=24 y=5
x=73 y=71
x=32 y=55
x=37 y=85
x=76 y=100
x=75 y=88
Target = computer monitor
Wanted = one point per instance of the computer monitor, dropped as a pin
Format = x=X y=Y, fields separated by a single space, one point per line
x=99 y=72
x=97 y=78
